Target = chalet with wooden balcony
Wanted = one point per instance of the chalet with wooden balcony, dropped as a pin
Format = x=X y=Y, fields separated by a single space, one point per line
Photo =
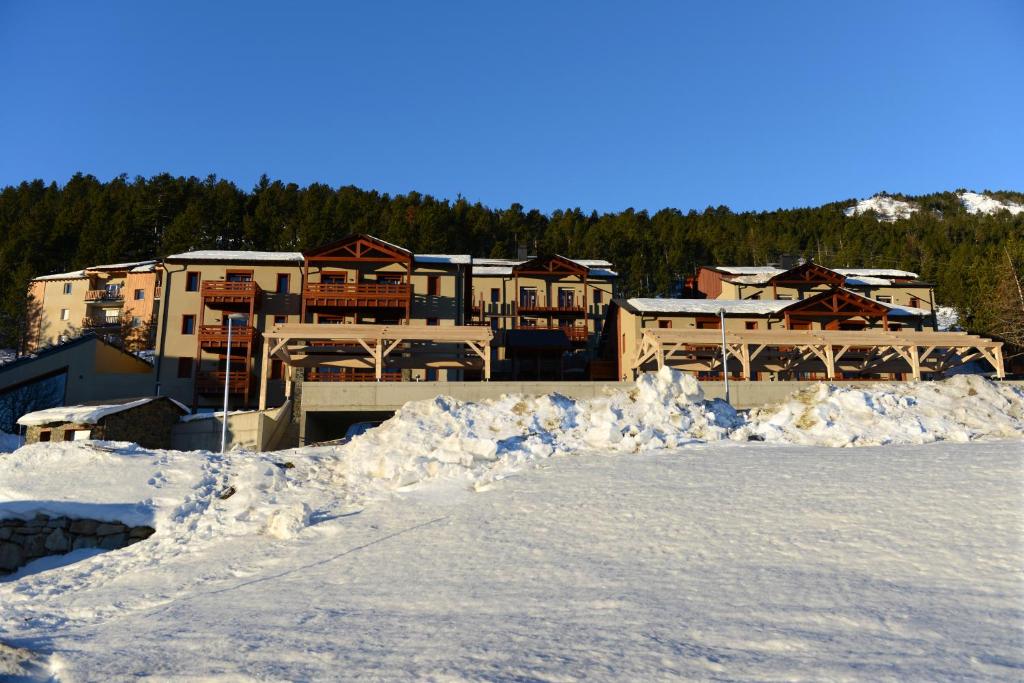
x=118 y=301
x=807 y=279
x=563 y=300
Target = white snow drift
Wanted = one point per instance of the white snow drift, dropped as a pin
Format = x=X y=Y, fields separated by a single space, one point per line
x=887 y=208
x=962 y=408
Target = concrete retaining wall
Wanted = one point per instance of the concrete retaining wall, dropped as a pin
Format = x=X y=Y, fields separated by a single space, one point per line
x=22 y=541
x=252 y=430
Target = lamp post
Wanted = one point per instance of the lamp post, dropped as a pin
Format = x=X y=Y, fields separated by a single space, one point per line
x=725 y=354
x=235 y=317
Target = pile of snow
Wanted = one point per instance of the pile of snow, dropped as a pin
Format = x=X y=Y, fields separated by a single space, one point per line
x=962 y=408
x=479 y=442
x=887 y=208
x=974 y=202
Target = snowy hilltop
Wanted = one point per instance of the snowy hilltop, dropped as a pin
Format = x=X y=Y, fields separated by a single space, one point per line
x=889 y=209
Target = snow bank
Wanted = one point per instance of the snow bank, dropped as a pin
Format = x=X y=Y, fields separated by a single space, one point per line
x=959 y=409
x=478 y=442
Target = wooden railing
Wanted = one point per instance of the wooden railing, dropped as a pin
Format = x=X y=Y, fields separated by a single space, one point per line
x=213 y=381
x=213 y=335
x=360 y=289
x=534 y=307
x=347 y=375
x=95 y=322
x=573 y=333
x=225 y=288
x=104 y=295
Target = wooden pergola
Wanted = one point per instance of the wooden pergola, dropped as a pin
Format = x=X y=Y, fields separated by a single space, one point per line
x=368 y=346
x=792 y=350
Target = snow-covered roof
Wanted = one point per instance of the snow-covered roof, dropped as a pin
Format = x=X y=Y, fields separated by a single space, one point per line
x=749 y=270
x=238 y=256
x=865 y=281
x=757 y=275
x=146 y=268
x=451 y=259
x=492 y=270
x=709 y=306
x=133 y=266
x=502 y=266
x=85 y=414
x=73 y=275
x=875 y=272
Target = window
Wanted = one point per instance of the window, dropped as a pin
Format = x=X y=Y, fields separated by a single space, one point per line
x=136 y=321
x=276 y=369
x=756 y=297
x=191 y=282
x=188 y=324
x=282 y=283
x=44 y=435
x=884 y=299
x=598 y=296
x=597 y=326
x=65 y=314
x=334 y=278
x=528 y=297
x=750 y=325
x=238 y=276
x=111 y=317
x=432 y=322
x=434 y=285
x=495 y=295
x=67 y=287
x=785 y=297
x=431 y=374
x=184 y=368
x=389 y=279
x=494 y=324
x=566 y=298
x=69 y=434
x=280 y=319
x=664 y=324
x=140 y=295
x=709 y=324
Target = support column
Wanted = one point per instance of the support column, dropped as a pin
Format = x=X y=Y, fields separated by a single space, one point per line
x=830 y=362
x=378 y=360
x=264 y=371
x=915 y=363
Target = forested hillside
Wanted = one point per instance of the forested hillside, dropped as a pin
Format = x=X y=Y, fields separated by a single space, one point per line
x=51 y=228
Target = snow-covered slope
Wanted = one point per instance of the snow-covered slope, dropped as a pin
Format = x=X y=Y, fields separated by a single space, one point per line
x=887 y=208
x=974 y=202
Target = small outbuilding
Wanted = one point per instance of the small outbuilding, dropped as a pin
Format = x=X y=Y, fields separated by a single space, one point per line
x=145 y=421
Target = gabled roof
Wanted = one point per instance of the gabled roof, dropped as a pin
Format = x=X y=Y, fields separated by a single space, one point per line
x=498 y=266
x=838 y=301
x=808 y=273
x=90 y=413
x=73 y=275
x=360 y=247
x=137 y=266
x=551 y=265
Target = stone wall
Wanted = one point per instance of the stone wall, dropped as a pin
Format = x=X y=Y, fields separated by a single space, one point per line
x=22 y=541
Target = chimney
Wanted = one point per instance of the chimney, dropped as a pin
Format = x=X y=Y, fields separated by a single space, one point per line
x=522 y=252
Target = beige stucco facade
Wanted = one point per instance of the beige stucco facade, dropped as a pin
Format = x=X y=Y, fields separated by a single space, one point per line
x=115 y=301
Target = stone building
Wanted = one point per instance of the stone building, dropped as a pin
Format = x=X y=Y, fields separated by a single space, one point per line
x=145 y=421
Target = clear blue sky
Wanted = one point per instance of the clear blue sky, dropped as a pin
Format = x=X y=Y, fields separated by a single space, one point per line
x=757 y=105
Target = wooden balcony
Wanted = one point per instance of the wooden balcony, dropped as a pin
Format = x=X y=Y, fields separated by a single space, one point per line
x=349 y=375
x=98 y=295
x=213 y=382
x=356 y=295
x=102 y=323
x=224 y=292
x=534 y=308
x=576 y=335
x=215 y=337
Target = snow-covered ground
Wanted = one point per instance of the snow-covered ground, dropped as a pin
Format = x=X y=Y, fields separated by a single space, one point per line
x=947 y=318
x=449 y=544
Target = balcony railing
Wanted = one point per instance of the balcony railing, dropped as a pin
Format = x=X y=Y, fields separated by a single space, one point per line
x=533 y=307
x=104 y=295
x=573 y=333
x=357 y=295
x=213 y=382
x=229 y=292
x=350 y=376
x=100 y=322
x=216 y=336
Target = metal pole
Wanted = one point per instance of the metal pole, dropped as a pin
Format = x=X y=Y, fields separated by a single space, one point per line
x=725 y=355
x=227 y=381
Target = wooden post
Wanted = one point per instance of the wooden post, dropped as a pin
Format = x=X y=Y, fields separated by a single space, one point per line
x=487 y=360
x=264 y=371
x=302 y=290
x=830 y=362
x=378 y=360
x=745 y=360
x=915 y=363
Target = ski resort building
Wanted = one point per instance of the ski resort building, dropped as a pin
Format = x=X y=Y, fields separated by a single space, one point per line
x=119 y=302
x=545 y=312
x=832 y=334
x=887 y=286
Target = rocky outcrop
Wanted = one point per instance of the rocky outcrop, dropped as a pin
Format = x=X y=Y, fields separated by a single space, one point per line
x=22 y=541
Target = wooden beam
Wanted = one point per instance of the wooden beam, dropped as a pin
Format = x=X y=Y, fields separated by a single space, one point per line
x=264 y=372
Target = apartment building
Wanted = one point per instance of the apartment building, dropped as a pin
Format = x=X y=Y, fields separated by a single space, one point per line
x=885 y=285
x=357 y=280
x=546 y=311
x=119 y=302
